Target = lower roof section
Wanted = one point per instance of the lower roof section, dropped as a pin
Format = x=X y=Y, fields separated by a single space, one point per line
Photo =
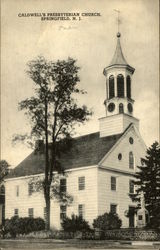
x=82 y=151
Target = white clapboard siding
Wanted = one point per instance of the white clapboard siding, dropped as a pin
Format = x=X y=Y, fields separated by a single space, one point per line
x=120 y=197
x=111 y=125
x=88 y=196
x=127 y=119
x=116 y=124
x=23 y=202
x=124 y=147
x=112 y=166
x=97 y=195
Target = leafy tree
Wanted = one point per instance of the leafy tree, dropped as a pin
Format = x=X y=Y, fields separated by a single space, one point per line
x=75 y=223
x=148 y=182
x=107 y=221
x=4 y=169
x=53 y=112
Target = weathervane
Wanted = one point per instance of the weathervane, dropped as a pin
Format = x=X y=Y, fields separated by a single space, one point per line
x=118 y=19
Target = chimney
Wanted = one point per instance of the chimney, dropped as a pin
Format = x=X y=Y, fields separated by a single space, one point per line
x=39 y=146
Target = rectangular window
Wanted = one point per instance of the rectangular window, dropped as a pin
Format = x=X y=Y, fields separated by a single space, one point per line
x=113 y=208
x=113 y=183
x=131 y=160
x=81 y=210
x=131 y=187
x=63 y=210
x=111 y=86
x=30 y=212
x=16 y=212
x=63 y=185
x=17 y=191
x=81 y=183
x=44 y=213
x=30 y=188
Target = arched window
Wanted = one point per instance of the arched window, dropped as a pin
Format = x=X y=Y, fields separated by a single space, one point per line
x=121 y=109
x=131 y=160
x=128 y=87
x=111 y=86
x=120 y=86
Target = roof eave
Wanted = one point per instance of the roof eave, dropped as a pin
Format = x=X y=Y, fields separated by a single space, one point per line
x=128 y=67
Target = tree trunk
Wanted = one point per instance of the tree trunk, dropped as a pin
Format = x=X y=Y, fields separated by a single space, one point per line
x=47 y=184
x=48 y=208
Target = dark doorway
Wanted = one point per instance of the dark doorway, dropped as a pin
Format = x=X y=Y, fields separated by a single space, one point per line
x=131 y=216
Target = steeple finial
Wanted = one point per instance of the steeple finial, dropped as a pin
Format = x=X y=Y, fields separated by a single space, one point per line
x=118 y=58
x=118 y=22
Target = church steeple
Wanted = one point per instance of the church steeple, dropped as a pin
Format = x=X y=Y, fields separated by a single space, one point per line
x=118 y=58
x=118 y=102
x=118 y=83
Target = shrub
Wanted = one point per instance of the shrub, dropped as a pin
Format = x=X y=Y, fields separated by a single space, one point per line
x=107 y=221
x=24 y=225
x=11 y=226
x=75 y=223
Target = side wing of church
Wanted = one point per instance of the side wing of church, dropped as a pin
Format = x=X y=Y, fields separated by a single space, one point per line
x=99 y=167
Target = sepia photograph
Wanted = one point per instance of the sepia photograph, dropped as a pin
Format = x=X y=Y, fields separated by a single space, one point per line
x=80 y=148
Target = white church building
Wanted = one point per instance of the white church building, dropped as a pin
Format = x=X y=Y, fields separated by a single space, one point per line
x=99 y=167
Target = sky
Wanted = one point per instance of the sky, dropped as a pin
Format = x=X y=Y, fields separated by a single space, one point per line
x=91 y=41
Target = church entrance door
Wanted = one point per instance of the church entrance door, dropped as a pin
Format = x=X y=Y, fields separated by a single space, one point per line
x=131 y=216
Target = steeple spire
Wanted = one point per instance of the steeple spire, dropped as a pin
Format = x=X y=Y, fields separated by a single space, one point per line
x=118 y=58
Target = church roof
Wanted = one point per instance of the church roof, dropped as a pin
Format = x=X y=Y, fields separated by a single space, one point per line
x=118 y=58
x=84 y=151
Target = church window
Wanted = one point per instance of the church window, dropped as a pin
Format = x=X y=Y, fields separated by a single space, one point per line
x=17 y=191
x=30 y=189
x=131 y=187
x=81 y=210
x=128 y=87
x=121 y=108
x=63 y=210
x=130 y=107
x=63 y=185
x=113 y=183
x=120 y=86
x=113 y=208
x=119 y=156
x=81 y=183
x=111 y=107
x=131 y=160
x=16 y=212
x=131 y=140
x=111 y=86
x=30 y=212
